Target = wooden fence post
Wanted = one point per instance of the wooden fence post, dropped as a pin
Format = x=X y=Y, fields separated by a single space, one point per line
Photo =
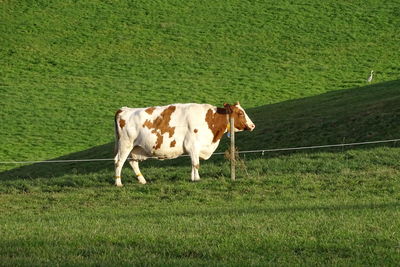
x=232 y=132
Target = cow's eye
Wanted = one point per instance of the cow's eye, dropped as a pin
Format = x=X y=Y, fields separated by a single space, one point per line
x=241 y=113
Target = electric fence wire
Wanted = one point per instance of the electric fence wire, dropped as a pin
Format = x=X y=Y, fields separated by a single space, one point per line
x=262 y=151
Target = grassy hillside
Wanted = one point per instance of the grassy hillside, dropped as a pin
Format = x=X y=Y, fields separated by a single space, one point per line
x=368 y=113
x=67 y=65
x=299 y=68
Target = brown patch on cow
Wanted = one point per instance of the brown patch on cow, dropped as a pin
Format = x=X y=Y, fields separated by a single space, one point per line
x=122 y=123
x=159 y=141
x=150 y=110
x=160 y=125
x=217 y=122
x=118 y=111
x=148 y=124
x=173 y=143
x=195 y=130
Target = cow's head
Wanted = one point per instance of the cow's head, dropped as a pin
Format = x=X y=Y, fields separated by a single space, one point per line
x=242 y=121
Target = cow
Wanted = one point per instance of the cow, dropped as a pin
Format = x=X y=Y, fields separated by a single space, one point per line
x=166 y=132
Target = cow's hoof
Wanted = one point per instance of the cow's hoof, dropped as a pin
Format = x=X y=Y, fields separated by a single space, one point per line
x=118 y=181
x=119 y=185
x=141 y=180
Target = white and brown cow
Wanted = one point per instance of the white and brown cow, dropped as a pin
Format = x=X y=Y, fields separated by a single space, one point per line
x=169 y=131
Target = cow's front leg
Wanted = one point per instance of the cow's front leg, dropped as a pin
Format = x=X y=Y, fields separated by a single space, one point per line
x=135 y=167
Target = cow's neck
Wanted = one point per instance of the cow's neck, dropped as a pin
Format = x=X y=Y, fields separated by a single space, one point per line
x=223 y=112
x=218 y=123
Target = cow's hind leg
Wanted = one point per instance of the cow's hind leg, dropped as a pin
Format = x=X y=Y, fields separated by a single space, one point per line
x=120 y=158
x=135 y=167
x=193 y=151
x=195 y=166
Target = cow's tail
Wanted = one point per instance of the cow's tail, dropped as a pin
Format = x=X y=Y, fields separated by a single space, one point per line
x=117 y=135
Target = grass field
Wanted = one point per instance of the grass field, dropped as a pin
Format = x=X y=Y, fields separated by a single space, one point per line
x=309 y=208
x=299 y=68
x=67 y=66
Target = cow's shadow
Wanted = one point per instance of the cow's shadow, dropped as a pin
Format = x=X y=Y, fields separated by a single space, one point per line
x=360 y=114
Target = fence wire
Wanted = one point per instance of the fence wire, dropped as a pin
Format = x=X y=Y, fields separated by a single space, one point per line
x=262 y=151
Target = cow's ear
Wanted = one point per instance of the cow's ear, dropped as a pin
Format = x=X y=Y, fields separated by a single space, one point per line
x=228 y=108
x=237 y=103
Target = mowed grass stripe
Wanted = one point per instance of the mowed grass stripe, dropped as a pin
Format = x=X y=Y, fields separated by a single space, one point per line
x=128 y=231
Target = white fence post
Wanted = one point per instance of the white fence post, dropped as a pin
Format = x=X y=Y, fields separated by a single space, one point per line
x=232 y=132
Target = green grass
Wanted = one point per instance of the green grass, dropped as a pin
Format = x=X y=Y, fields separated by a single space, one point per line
x=67 y=66
x=319 y=208
x=319 y=232
x=299 y=68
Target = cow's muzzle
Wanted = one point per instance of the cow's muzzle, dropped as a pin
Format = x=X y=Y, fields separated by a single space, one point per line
x=250 y=127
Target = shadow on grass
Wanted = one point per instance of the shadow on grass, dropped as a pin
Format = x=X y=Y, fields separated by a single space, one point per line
x=368 y=113
x=55 y=169
x=49 y=170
